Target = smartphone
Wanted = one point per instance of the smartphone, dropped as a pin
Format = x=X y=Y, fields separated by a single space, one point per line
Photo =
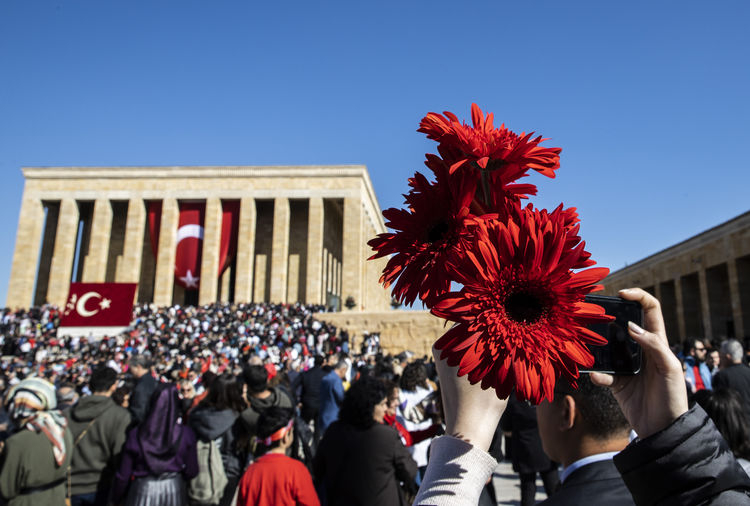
x=621 y=355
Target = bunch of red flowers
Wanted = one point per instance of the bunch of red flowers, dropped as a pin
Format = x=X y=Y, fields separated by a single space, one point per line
x=520 y=315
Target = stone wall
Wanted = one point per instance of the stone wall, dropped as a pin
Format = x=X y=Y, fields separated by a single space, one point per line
x=399 y=330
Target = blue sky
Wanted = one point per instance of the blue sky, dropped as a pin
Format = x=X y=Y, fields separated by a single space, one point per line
x=649 y=100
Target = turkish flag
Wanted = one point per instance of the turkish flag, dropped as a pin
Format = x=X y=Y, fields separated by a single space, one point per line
x=189 y=245
x=99 y=305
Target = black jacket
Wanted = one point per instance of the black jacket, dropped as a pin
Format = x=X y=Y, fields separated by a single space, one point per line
x=526 y=445
x=595 y=483
x=735 y=377
x=362 y=466
x=686 y=463
x=140 y=399
x=309 y=386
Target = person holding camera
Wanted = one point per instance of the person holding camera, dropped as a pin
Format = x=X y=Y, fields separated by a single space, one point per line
x=678 y=458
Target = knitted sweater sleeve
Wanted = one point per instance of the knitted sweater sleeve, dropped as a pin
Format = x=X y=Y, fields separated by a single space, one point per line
x=456 y=473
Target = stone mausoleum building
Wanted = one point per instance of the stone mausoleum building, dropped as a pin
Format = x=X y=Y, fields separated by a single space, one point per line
x=703 y=283
x=280 y=234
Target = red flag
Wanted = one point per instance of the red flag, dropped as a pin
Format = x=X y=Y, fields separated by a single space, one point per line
x=189 y=245
x=99 y=305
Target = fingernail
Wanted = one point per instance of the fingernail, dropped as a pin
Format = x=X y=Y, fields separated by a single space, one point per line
x=635 y=328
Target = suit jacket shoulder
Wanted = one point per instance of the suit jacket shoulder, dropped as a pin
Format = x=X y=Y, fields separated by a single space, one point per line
x=595 y=483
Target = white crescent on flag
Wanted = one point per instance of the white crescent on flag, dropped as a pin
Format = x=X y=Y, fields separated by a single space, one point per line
x=81 y=305
x=191 y=230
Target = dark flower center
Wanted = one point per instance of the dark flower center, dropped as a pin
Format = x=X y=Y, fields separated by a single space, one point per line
x=437 y=232
x=524 y=307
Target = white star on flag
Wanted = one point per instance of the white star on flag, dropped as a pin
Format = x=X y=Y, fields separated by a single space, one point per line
x=105 y=303
x=189 y=280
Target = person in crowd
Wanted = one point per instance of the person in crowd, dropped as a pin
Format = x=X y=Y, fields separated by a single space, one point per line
x=679 y=457
x=697 y=372
x=35 y=458
x=712 y=361
x=67 y=395
x=331 y=395
x=121 y=395
x=260 y=397
x=529 y=459
x=99 y=428
x=159 y=456
x=583 y=429
x=140 y=368
x=217 y=419
x=274 y=478
x=309 y=384
x=391 y=418
x=724 y=406
x=360 y=460
x=734 y=374
x=415 y=393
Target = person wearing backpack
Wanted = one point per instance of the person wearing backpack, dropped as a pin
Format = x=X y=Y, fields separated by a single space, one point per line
x=221 y=456
x=275 y=479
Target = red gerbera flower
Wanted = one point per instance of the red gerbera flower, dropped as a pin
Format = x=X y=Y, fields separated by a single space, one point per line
x=427 y=235
x=506 y=155
x=521 y=315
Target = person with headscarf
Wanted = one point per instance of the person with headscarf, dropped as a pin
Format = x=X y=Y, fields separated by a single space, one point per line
x=34 y=459
x=159 y=457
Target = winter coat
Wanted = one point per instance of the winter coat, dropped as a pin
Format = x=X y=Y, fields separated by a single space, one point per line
x=96 y=457
x=210 y=424
x=527 y=454
x=363 y=466
x=686 y=463
x=28 y=474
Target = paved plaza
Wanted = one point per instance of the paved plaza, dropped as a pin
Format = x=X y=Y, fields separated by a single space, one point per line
x=507 y=485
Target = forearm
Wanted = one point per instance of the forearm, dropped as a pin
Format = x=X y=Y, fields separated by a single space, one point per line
x=456 y=473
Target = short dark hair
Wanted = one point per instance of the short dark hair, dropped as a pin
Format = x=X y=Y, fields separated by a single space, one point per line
x=360 y=401
x=602 y=416
x=256 y=377
x=102 y=379
x=269 y=421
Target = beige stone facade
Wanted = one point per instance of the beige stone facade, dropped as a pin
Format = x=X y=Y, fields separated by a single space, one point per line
x=399 y=331
x=302 y=233
x=703 y=283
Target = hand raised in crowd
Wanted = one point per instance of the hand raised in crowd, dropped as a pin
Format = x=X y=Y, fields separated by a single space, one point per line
x=471 y=413
x=654 y=398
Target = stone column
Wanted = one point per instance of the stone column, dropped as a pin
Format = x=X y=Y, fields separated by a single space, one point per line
x=314 y=251
x=26 y=254
x=352 y=252
x=128 y=270
x=734 y=296
x=705 y=305
x=95 y=263
x=279 y=249
x=165 y=258
x=680 y=310
x=62 y=256
x=243 y=291
x=210 y=252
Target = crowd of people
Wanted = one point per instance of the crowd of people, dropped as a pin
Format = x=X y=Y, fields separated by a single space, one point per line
x=240 y=404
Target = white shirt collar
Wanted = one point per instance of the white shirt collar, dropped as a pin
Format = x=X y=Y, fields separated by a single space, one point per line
x=597 y=457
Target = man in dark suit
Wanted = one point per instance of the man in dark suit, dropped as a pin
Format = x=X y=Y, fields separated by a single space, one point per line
x=140 y=399
x=583 y=429
x=733 y=373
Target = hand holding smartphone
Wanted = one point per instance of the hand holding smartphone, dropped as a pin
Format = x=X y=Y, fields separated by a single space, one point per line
x=621 y=355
